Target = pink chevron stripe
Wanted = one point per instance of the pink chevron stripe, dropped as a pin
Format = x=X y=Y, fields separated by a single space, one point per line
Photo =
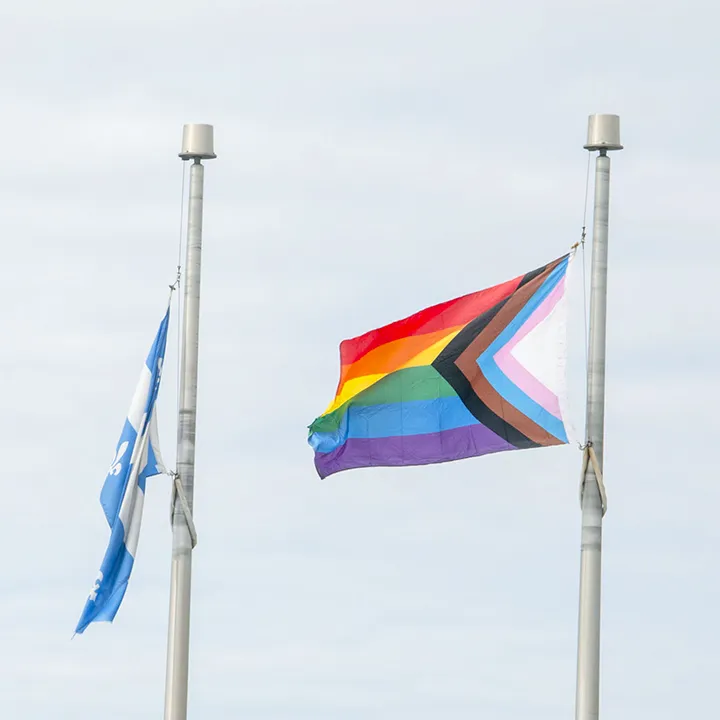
x=518 y=374
x=540 y=314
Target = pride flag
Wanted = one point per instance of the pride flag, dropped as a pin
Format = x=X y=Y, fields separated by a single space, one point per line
x=475 y=375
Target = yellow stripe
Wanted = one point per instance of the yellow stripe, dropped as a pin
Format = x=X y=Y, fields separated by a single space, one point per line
x=357 y=385
x=391 y=355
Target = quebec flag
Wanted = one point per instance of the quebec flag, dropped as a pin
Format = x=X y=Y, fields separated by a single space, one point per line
x=137 y=457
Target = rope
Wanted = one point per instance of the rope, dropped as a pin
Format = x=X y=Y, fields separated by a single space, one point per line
x=177 y=284
x=583 y=237
x=179 y=494
x=182 y=216
x=589 y=456
x=590 y=459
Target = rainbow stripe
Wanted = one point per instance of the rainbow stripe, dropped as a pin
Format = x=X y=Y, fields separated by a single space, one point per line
x=471 y=376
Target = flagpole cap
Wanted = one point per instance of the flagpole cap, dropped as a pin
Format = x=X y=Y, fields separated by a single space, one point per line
x=603 y=132
x=197 y=142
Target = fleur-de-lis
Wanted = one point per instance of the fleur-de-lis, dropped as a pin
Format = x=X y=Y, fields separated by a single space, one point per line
x=116 y=465
x=96 y=586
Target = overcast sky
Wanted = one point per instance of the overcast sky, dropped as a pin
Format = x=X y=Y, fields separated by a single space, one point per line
x=375 y=157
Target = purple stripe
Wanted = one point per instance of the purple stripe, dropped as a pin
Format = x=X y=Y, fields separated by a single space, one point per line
x=455 y=444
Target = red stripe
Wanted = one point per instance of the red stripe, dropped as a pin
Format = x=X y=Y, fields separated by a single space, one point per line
x=452 y=313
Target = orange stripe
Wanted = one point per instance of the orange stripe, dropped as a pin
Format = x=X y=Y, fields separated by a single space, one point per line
x=356 y=385
x=393 y=355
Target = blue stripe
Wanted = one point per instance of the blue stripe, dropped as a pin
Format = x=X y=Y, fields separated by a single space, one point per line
x=526 y=405
x=530 y=306
x=501 y=383
x=416 y=417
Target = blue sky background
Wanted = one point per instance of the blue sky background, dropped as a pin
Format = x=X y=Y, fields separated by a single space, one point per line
x=374 y=158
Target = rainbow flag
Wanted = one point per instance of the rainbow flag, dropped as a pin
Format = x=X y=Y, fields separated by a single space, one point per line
x=475 y=375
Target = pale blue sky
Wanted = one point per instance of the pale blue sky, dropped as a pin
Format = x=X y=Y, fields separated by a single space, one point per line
x=374 y=158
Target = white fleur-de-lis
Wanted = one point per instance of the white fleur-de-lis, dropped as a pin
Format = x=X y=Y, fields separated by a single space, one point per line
x=96 y=586
x=116 y=465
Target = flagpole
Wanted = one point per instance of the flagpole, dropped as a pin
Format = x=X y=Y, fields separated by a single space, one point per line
x=197 y=145
x=603 y=136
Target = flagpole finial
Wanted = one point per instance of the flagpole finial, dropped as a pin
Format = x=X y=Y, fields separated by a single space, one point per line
x=603 y=132
x=197 y=142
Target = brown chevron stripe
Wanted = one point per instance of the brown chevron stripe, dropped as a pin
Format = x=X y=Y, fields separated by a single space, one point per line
x=467 y=362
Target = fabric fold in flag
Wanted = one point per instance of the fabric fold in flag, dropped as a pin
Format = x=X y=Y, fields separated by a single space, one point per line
x=479 y=374
x=137 y=457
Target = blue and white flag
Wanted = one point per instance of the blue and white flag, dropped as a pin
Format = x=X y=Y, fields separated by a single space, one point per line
x=137 y=457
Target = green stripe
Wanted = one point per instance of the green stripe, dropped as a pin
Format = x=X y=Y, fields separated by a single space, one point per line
x=417 y=383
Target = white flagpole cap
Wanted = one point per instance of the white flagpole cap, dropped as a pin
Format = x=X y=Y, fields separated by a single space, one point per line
x=603 y=132
x=197 y=142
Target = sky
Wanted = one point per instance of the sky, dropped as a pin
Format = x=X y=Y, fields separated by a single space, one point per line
x=374 y=158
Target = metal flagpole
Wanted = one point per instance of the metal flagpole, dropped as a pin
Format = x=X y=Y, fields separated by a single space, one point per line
x=603 y=135
x=197 y=145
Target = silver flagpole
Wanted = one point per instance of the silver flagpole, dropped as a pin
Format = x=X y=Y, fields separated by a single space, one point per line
x=603 y=135
x=197 y=145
